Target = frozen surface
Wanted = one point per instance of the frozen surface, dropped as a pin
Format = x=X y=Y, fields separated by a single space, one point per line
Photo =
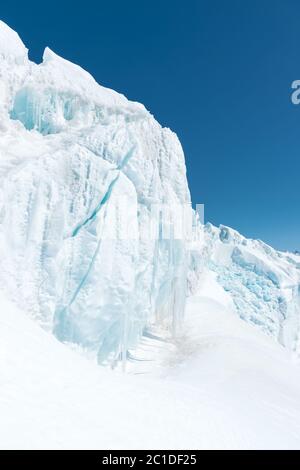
x=262 y=284
x=77 y=163
x=11 y=46
x=83 y=175
x=224 y=385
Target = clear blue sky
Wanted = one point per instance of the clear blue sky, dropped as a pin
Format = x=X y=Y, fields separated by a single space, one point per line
x=216 y=72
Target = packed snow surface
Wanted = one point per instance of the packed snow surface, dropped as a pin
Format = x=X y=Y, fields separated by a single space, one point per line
x=222 y=385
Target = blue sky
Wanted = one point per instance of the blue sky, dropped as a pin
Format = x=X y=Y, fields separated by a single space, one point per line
x=217 y=73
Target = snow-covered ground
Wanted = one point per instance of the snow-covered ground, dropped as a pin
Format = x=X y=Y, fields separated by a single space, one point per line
x=222 y=385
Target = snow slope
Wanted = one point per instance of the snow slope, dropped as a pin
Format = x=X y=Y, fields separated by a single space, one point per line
x=225 y=386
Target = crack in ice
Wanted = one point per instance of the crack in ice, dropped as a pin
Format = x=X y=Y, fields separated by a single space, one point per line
x=107 y=194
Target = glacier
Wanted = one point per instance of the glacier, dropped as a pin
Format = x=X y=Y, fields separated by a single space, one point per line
x=77 y=163
x=261 y=285
x=86 y=249
x=103 y=261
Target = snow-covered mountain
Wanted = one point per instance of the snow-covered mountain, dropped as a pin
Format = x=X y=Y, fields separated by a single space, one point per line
x=94 y=207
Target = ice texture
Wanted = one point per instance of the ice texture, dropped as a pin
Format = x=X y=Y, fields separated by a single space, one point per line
x=78 y=163
x=262 y=283
x=72 y=155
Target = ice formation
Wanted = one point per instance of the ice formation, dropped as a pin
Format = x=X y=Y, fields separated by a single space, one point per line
x=262 y=284
x=77 y=159
x=78 y=163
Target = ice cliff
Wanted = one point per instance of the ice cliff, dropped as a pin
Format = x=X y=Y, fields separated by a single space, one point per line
x=83 y=171
x=84 y=247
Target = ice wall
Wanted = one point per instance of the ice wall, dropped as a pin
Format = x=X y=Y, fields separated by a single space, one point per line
x=79 y=162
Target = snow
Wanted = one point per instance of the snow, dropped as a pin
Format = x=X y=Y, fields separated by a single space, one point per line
x=224 y=385
x=64 y=76
x=11 y=46
x=85 y=176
